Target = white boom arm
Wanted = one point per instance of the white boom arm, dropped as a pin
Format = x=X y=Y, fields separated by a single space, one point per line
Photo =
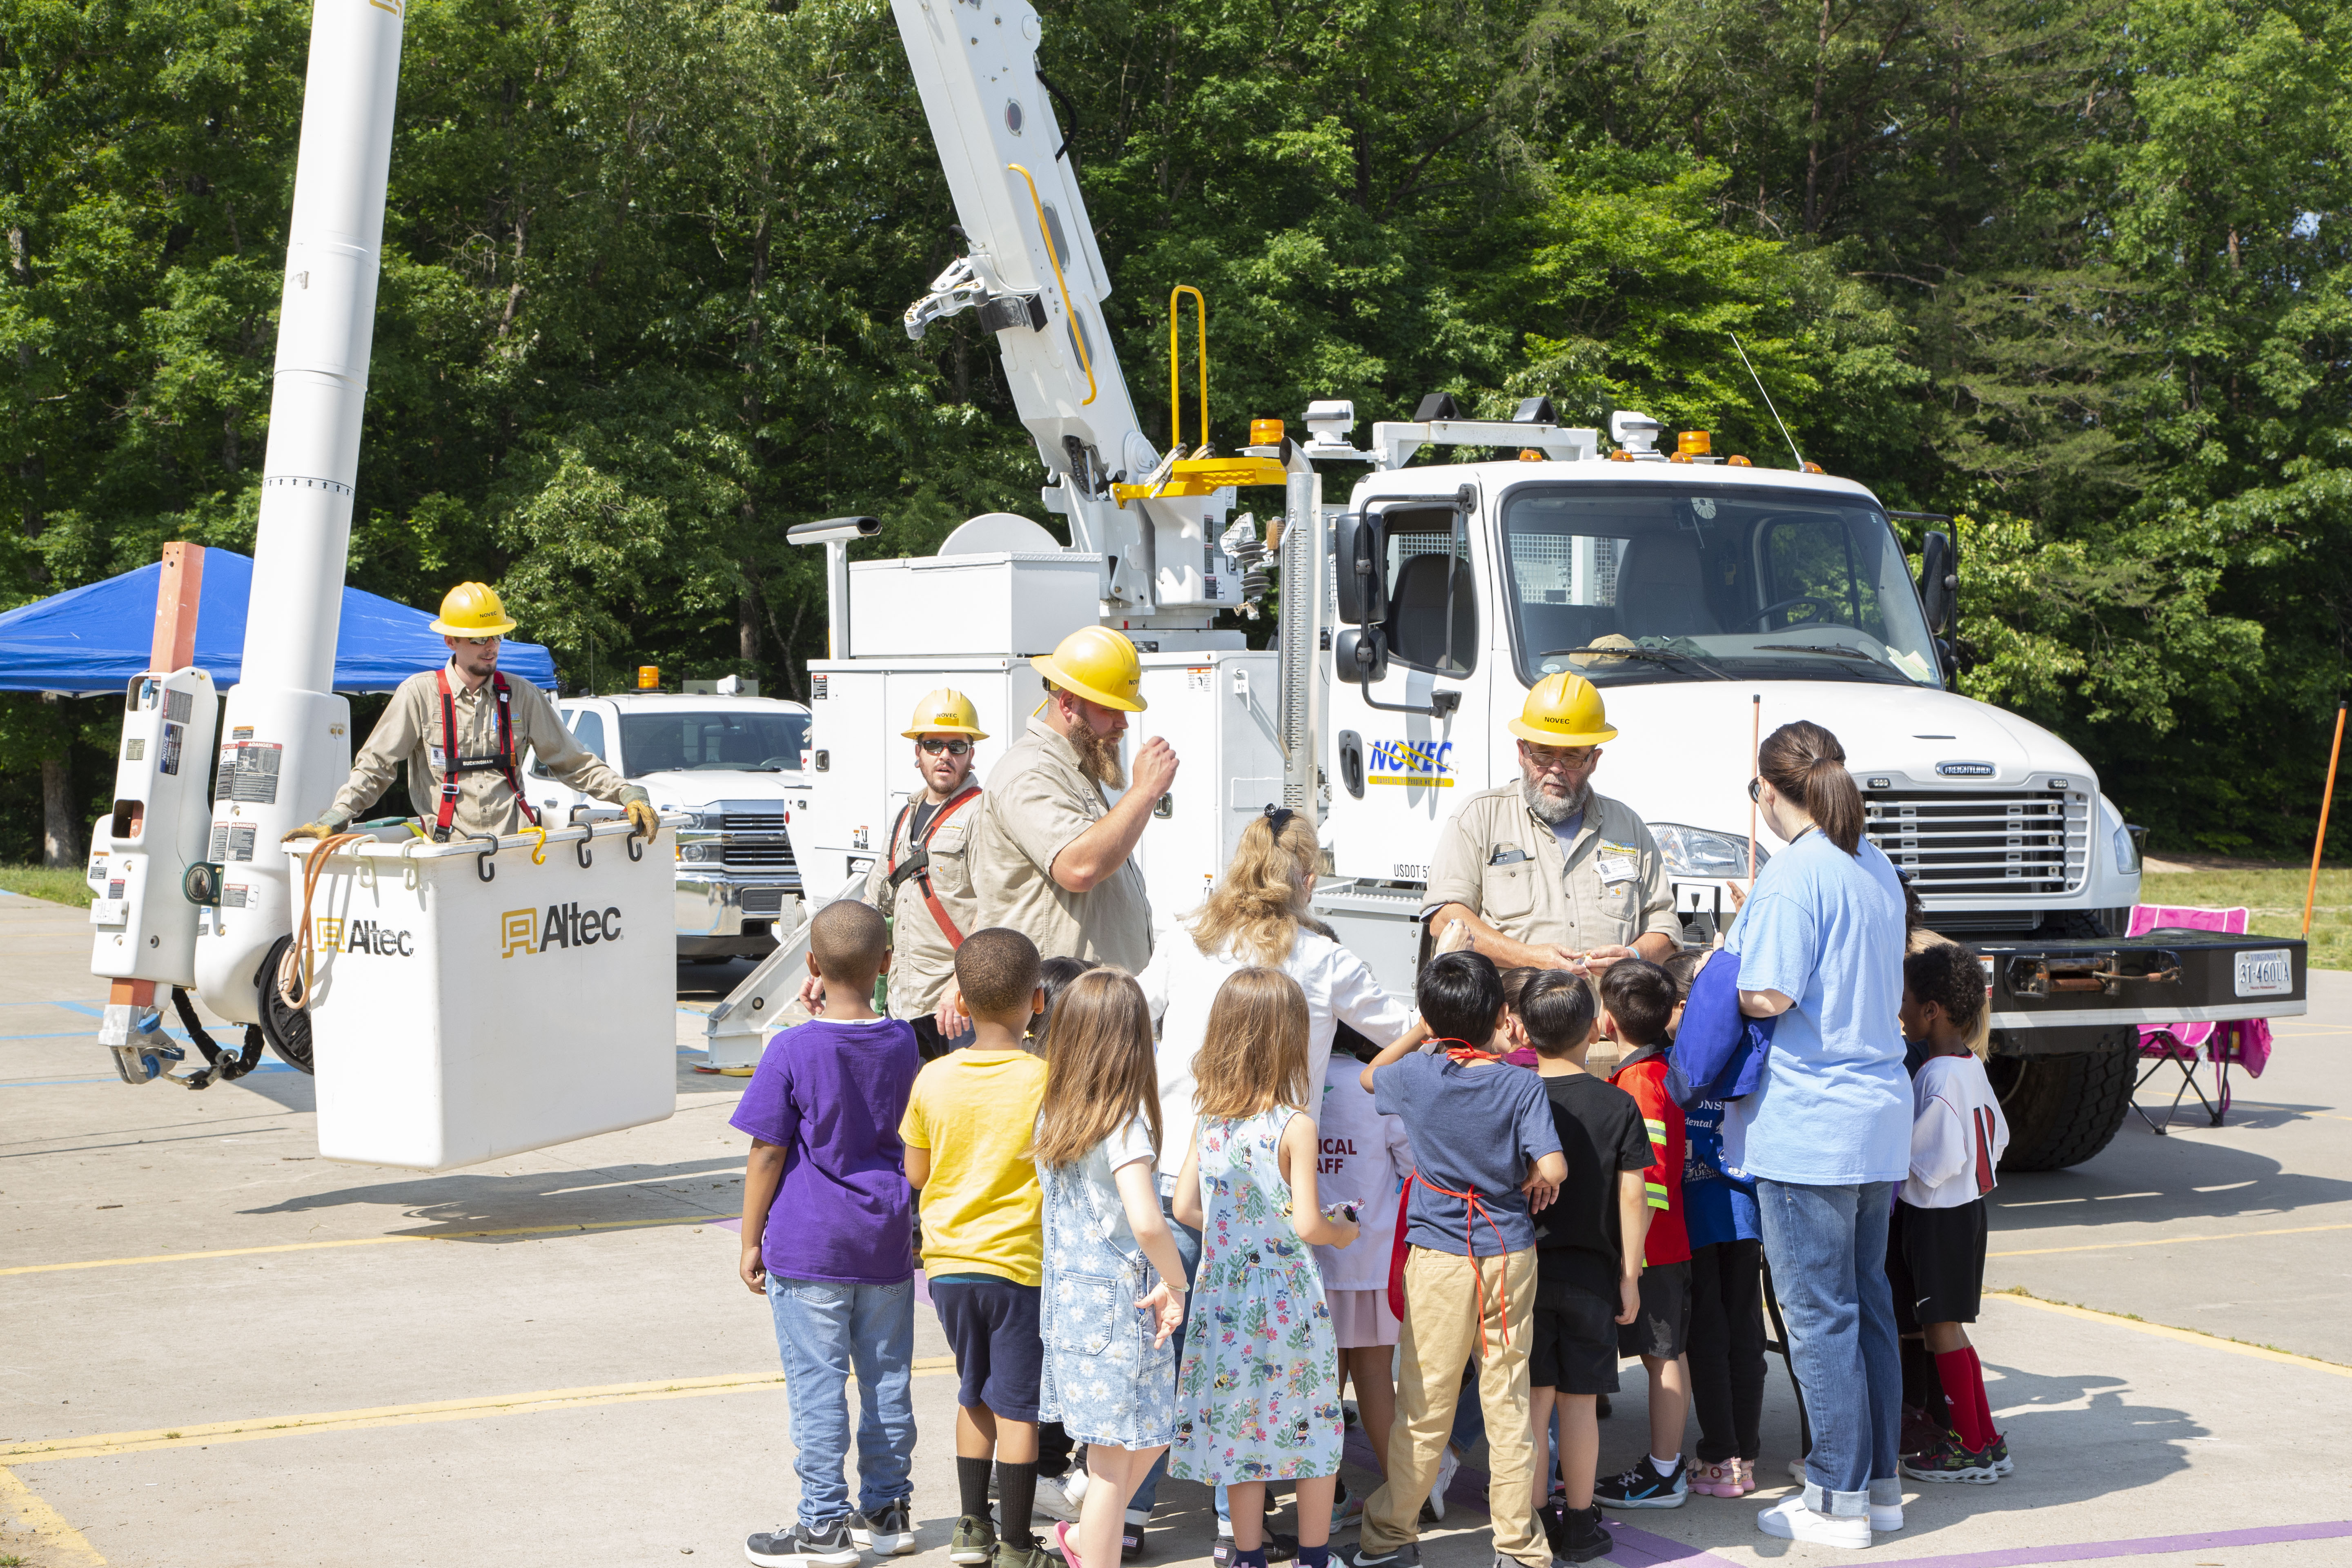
x=1036 y=279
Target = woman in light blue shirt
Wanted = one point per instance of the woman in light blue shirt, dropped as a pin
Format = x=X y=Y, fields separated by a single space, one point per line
x=1827 y=1134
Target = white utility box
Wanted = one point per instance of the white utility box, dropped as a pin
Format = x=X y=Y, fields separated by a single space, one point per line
x=471 y=1001
x=141 y=854
x=949 y=606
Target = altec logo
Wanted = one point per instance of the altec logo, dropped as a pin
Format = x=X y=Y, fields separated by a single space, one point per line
x=1426 y=763
x=564 y=925
x=363 y=936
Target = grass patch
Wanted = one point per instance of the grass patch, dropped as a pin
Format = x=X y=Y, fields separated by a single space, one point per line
x=2275 y=902
x=58 y=884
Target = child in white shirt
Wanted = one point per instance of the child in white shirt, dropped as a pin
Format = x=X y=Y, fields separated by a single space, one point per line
x=1936 y=1249
x=1365 y=1159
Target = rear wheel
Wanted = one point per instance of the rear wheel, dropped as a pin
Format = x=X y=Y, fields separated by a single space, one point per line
x=2063 y=1109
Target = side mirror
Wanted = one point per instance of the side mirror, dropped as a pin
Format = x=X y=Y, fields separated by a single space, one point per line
x=1361 y=556
x=1360 y=657
x=1939 y=582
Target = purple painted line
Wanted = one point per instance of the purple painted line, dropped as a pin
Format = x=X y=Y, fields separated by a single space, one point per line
x=2145 y=1546
x=1640 y=1548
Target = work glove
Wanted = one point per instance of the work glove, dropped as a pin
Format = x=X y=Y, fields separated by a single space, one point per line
x=643 y=818
x=330 y=822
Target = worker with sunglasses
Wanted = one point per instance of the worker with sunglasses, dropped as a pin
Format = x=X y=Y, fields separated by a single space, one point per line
x=923 y=877
x=1546 y=871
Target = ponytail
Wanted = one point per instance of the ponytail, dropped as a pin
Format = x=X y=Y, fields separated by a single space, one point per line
x=1807 y=765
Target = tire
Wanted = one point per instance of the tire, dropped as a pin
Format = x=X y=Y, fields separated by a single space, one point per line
x=287 y=1029
x=2076 y=925
x=2063 y=1108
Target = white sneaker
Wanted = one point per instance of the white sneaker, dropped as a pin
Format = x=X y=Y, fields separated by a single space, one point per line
x=1885 y=1517
x=1448 y=1461
x=1791 y=1519
x=1074 y=1484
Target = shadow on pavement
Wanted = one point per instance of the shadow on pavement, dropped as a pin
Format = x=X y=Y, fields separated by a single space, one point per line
x=604 y=1195
x=2143 y=1177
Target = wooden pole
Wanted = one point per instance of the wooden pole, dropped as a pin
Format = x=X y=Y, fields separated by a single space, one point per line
x=177 y=594
x=1755 y=762
x=2311 y=892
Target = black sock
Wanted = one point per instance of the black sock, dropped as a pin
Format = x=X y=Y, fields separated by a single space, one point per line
x=1255 y=1557
x=1315 y=1556
x=971 y=1485
x=1016 y=1495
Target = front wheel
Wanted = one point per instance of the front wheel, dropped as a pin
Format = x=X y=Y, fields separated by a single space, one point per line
x=2063 y=1109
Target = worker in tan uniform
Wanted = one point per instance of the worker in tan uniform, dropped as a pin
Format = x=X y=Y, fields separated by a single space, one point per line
x=1545 y=871
x=462 y=729
x=923 y=879
x=1052 y=856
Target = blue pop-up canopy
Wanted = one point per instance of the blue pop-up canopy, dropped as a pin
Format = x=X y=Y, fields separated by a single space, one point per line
x=91 y=641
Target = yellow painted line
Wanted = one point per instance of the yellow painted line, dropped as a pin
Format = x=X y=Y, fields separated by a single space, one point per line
x=437 y=1410
x=60 y=1542
x=366 y=1241
x=2166 y=1241
x=2180 y=1336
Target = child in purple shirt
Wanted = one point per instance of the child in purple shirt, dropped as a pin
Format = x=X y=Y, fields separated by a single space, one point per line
x=838 y=1267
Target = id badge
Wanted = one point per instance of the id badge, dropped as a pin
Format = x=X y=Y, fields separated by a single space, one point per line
x=1615 y=868
x=434 y=755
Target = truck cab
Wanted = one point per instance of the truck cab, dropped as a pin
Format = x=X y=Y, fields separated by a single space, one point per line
x=727 y=762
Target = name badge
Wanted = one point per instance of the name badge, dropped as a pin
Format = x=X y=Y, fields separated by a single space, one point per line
x=434 y=754
x=1615 y=868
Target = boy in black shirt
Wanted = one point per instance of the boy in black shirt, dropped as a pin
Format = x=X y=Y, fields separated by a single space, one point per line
x=1588 y=1254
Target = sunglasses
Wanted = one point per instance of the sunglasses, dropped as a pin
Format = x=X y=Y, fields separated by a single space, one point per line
x=952 y=748
x=1561 y=756
x=480 y=642
x=1756 y=790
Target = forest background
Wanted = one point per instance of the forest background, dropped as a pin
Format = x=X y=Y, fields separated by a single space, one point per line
x=2077 y=269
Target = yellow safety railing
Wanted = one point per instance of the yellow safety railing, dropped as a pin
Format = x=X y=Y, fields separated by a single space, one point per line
x=1175 y=398
x=1054 y=260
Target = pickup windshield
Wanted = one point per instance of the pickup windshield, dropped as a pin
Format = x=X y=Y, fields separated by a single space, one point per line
x=676 y=740
x=1703 y=582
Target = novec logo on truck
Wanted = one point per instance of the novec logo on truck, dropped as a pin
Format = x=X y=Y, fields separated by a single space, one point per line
x=1425 y=763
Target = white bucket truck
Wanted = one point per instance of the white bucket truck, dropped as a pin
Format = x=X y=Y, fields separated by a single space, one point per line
x=1709 y=599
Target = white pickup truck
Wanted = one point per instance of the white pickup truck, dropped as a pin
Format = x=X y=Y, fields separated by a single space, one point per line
x=726 y=761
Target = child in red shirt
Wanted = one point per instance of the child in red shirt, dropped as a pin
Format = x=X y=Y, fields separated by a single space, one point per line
x=1637 y=999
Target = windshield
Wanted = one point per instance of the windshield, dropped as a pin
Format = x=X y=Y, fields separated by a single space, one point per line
x=1701 y=581
x=674 y=740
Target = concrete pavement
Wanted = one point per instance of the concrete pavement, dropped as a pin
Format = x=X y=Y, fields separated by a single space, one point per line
x=548 y=1359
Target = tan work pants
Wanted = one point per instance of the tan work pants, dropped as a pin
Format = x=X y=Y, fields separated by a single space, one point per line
x=1442 y=1331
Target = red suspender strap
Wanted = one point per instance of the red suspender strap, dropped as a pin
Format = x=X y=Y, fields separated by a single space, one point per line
x=450 y=766
x=891 y=866
x=506 y=746
x=1397 y=1251
x=931 y=899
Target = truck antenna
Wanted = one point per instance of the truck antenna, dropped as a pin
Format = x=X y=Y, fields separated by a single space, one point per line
x=1768 y=402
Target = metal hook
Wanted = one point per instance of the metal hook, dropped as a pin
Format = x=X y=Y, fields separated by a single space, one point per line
x=582 y=849
x=482 y=866
x=539 y=850
x=635 y=845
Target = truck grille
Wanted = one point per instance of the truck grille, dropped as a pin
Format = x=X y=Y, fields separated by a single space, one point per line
x=1993 y=843
x=754 y=841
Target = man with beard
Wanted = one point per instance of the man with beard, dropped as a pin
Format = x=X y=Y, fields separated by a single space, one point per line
x=923 y=877
x=1051 y=855
x=1545 y=872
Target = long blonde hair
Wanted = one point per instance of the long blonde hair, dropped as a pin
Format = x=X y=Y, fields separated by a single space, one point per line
x=1254 y=1057
x=1098 y=1068
x=1257 y=906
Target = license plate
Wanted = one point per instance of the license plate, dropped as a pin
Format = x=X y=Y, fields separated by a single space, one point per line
x=2268 y=973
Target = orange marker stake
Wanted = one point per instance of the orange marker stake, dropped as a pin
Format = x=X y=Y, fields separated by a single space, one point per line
x=2311 y=892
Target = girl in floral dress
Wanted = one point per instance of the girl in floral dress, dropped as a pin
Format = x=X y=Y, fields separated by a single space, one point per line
x=1114 y=1284
x=1259 y=1397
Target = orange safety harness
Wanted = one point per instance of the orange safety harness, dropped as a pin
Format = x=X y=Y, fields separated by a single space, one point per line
x=1473 y=1207
x=452 y=765
x=919 y=860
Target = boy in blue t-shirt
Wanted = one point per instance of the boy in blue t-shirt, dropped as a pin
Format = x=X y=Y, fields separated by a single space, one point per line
x=1727 y=1329
x=838 y=1267
x=1486 y=1154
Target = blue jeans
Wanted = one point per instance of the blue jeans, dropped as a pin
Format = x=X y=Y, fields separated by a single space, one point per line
x=1827 y=1247
x=827 y=1332
x=1188 y=1247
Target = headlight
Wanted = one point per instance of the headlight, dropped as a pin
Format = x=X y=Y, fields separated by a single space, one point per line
x=701 y=852
x=2126 y=851
x=1695 y=852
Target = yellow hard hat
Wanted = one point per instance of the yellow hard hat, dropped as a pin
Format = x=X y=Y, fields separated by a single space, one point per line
x=472 y=610
x=946 y=711
x=1564 y=710
x=1098 y=664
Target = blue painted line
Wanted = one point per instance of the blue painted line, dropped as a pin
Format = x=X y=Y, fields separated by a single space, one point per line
x=51 y=1082
x=84 y=1008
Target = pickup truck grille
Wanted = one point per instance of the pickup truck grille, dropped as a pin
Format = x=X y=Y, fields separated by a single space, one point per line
x=754 y=841
x=2003 y=843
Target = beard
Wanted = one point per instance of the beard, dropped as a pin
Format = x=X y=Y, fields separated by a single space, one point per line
x=1554 y=809
x=1098 y=758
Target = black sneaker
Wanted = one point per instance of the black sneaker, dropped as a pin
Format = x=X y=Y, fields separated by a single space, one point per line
x=1131 y=1539
x=1582 y=1537
x=1643 y=1487
x=800 y=1547
x=1405 y=1556
x=1279 y=1548
x=890 y=1531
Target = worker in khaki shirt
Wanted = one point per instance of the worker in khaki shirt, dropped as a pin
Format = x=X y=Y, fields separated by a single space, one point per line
x=923 y=879
x=1052 y=856
x=1546 y=872
x=494 y=721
